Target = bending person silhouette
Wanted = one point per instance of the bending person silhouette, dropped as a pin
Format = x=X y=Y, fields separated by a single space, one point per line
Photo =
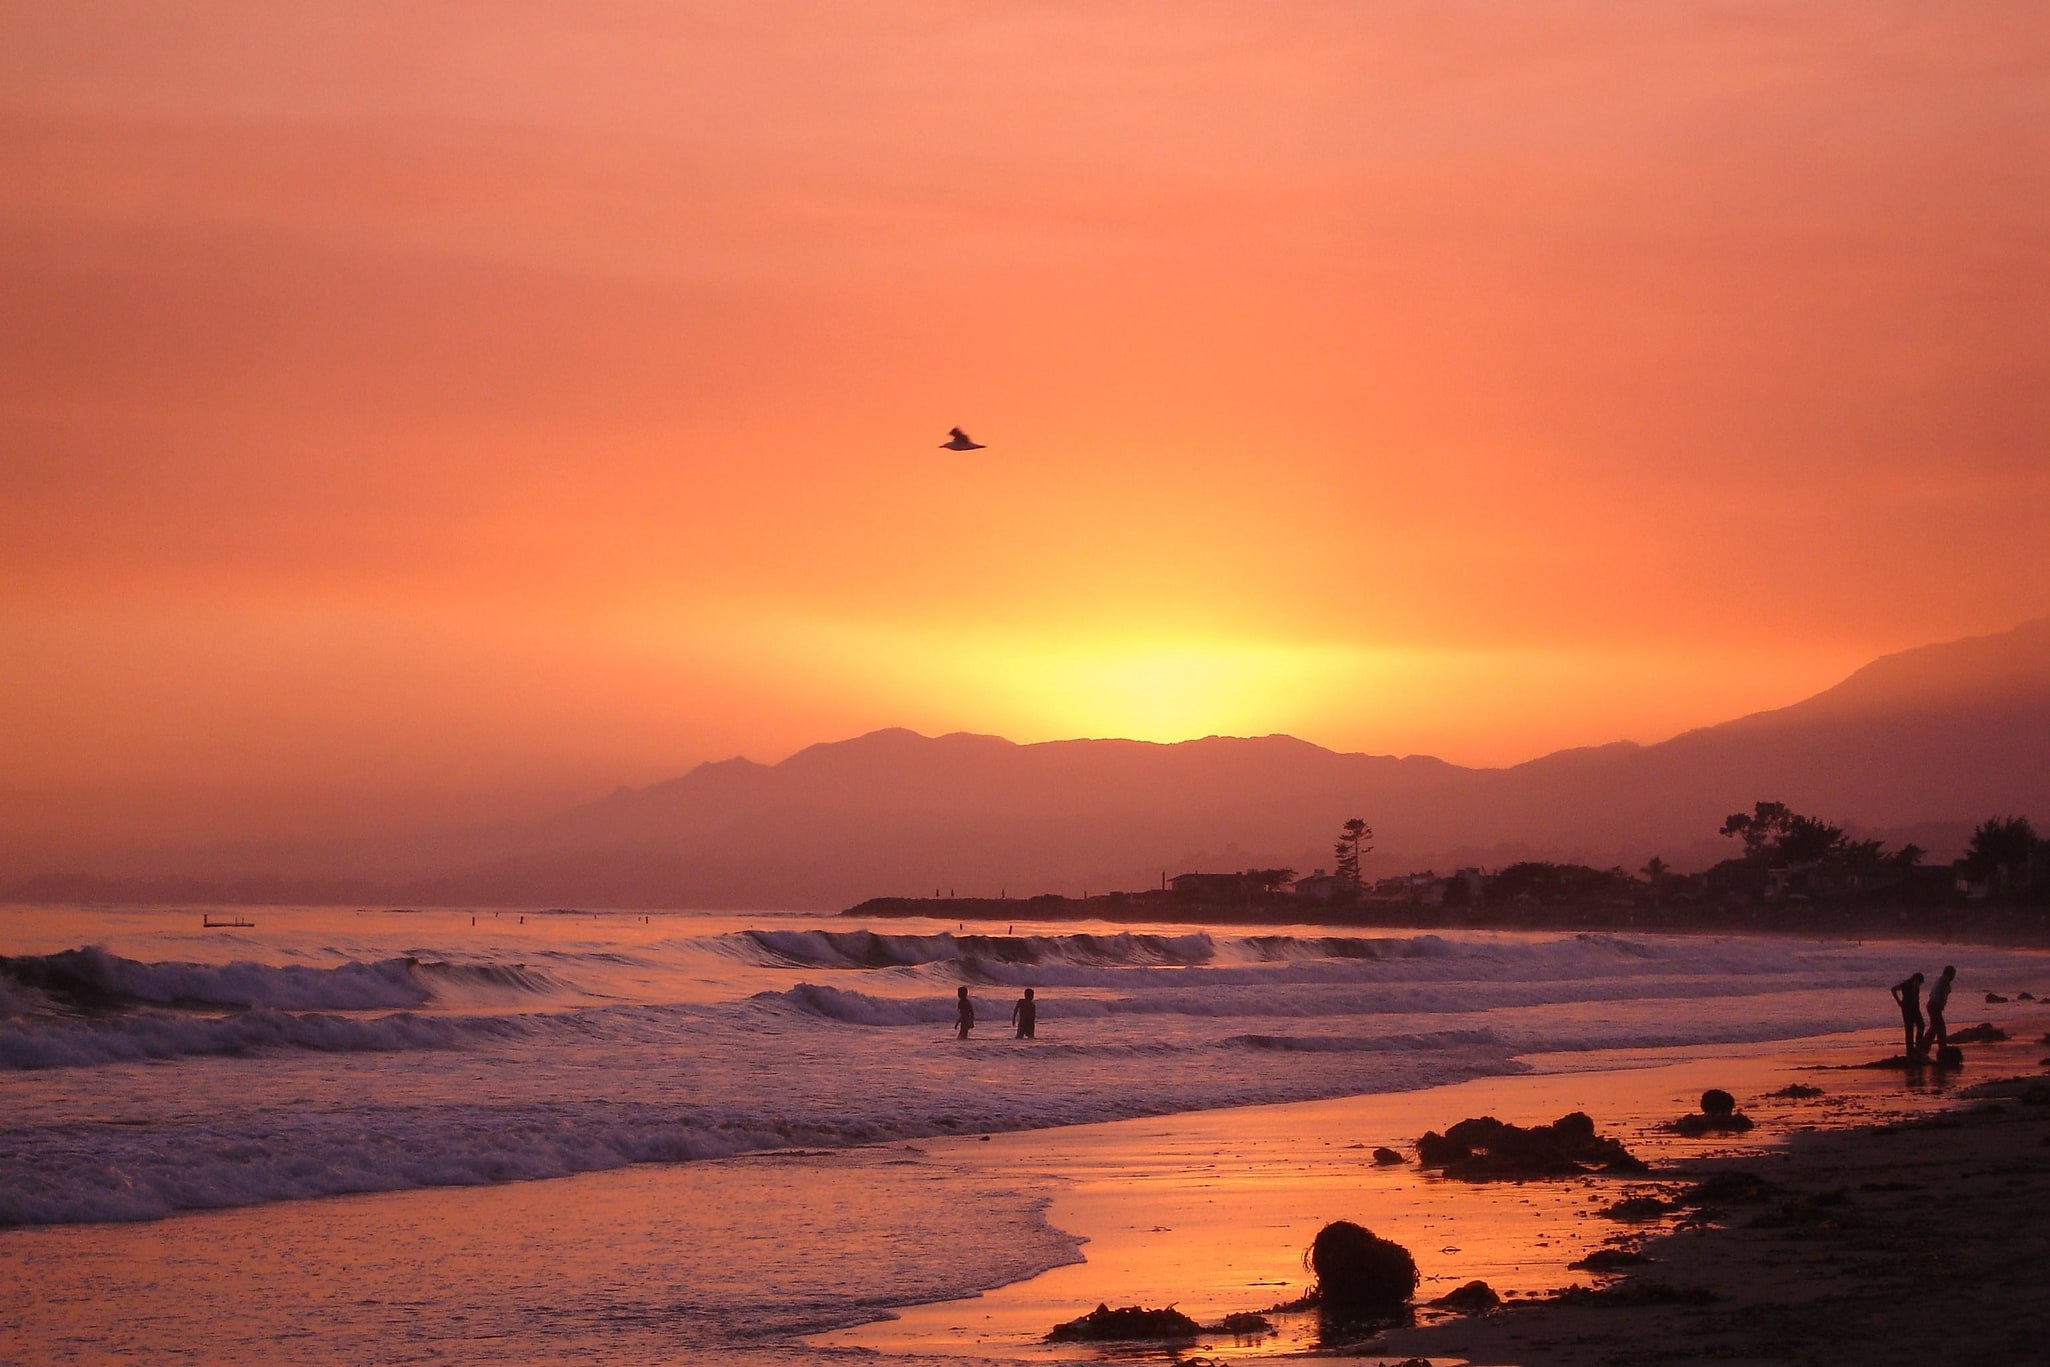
x=1935 y=1032
x=1025 y=1015
x=1907 y=994
x=964 y=1014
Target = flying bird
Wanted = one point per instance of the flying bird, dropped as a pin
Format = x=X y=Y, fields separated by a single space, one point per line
x=957 y=440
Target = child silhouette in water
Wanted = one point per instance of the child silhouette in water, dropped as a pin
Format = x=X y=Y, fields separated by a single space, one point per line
x=1025 y=1014
x=965 y=1014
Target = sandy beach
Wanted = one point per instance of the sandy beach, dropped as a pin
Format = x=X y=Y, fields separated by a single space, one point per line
x=1212 y=1212
x=1917 y=1242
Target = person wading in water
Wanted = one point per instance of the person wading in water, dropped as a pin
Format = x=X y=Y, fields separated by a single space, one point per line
x=1025 y=1015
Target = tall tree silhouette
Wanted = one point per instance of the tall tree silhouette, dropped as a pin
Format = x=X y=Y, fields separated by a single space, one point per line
x=1351 y=845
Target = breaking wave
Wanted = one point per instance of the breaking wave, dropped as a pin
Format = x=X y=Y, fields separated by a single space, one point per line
x=94 y=981
x=166 y=1035
x=364 y=1060
x=867 y=949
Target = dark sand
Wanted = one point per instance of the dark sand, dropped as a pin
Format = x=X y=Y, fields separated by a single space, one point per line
x=1924 y=1242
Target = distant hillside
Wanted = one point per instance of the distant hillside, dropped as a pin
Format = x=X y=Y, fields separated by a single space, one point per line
x=1929 y=739
x=1915 y=745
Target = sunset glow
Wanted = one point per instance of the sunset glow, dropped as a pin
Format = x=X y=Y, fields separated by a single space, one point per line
x=406 y=412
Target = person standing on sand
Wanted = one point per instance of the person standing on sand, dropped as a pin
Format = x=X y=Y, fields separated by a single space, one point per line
x=1939 y=997
x=1907 y=994
x=964 y=1014
x=1025 y=1015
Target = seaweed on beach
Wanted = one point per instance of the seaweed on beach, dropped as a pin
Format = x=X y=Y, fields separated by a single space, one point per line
x=1694 y=1126
x=1718 y=1115
x=1636 y=1208
x=1806 y=1212
x=1105 y=1325
x=1734 y=1188
x=1243 y=1324
x=1985 y=1032
x=1474 y=1298
x=1360 y=1273
x=1484 y=1149
x=1633 y=1293
x=1949 y=1057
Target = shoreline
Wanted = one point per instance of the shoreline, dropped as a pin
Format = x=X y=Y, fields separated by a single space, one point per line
x=1906 y=1243
x=2000 y=926
x=1211 y=1212
x=1208 y=1209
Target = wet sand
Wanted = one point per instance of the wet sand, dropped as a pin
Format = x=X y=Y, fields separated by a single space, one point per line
x=1212 y=1212
x=1917 y=1243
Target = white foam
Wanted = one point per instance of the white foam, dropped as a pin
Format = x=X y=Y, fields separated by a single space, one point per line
x=202 y=1085
x=100 y=980
x=167 y=1035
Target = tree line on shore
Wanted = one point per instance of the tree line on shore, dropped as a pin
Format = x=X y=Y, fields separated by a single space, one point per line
x=1785 y=859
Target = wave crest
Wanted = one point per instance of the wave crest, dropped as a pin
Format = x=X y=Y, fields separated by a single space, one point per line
x=94 y=981
x=165 y=1035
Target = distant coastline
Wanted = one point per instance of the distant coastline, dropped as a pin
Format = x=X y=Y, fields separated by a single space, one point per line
x=1996 y=925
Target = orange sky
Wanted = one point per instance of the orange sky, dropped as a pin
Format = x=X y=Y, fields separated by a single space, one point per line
x=416 y=411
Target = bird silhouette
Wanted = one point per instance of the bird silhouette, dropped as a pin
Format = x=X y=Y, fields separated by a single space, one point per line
x=957 y=440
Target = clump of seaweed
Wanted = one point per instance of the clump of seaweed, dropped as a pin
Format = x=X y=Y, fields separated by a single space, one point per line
x=1243 y=1324
x=1718 y=1115
x=1475 y=1298
x=1484 y=1149
x=1796 y=1091
x=1105 y=1325
x=1636 y=1208
x=1985 y=1032
x=1734 y=1188
x=1359 y=1272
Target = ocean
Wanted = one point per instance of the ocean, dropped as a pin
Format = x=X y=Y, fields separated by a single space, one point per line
x=176 y=1101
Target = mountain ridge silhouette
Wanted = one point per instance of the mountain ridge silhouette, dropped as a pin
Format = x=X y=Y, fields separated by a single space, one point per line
x=1919 y=745
x=1930 y=738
